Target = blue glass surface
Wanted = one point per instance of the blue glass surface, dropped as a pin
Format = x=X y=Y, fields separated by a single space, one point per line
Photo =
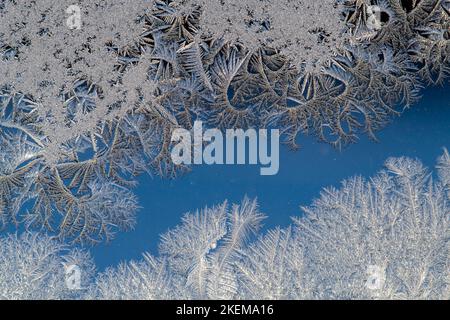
x=421 y=132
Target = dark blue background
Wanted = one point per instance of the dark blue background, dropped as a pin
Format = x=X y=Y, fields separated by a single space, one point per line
x=421 y=132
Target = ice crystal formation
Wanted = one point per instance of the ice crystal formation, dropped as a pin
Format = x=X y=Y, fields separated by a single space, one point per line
x=394 y=227
x=382 y=238
x=90 y=107
x=34 y=267
x=306 y=32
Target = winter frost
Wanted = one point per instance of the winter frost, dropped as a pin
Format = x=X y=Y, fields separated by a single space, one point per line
x=382 y=238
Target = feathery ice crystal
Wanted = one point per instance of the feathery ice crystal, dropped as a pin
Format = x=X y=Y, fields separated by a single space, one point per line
x=307 y=32
x=35 y=267
x=382 y=238
x=89 y=108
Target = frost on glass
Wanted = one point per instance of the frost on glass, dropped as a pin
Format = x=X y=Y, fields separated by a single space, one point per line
x=381 y=238
x=386 y=238
x=93 y=106
x=306 y=32
x=35 y=267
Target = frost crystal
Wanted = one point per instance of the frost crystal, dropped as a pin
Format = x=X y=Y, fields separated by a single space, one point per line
x=33 y=267
x=383 y=238
x=64 y=71
x=307 y=32
x=386 y=238
x=91 y=94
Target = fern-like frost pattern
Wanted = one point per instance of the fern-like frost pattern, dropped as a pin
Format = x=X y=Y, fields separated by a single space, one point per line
x=90 y=108
x=382 y=238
